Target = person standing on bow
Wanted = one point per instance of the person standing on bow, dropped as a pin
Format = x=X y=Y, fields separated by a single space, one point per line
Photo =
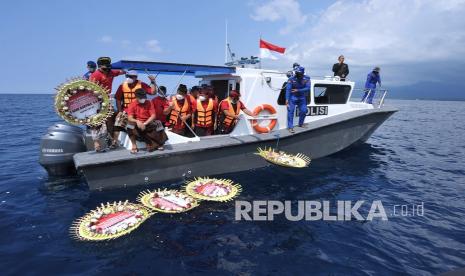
x=91 y=67
x=370 y=85
x=179 y=111
x=297 y=90
x=229 y=112
x=125 y=94
x=341 y=69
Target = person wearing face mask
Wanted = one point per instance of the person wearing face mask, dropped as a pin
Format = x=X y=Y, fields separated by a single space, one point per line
x=370 y=85
x=91 y=67
x=160 y=102
x=204 y=114
x=104 y=76
x=125 y=94
x=142 y=124
x=179 y=111
x=229 y=111
x=297 y=89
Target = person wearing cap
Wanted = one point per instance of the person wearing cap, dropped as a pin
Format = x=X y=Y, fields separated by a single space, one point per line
x=179 y=111
x=341 y=69
x=91 y=67
x=204 y=114
x=160 y=102
x=142 y=124
x=125 y=94
x=104 y=74
x=229 y=111
x=370 y=85
x=297 y=90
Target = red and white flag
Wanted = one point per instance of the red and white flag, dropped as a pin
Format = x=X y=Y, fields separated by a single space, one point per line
x=266 y=48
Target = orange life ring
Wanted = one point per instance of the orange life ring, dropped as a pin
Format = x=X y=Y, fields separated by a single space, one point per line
x=271 y=125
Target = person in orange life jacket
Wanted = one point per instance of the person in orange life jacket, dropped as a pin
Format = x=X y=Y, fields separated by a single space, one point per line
x=160 y=102
x=179 y=111
x=229 y=111
x=204 y=114
x=126 y=95
x=142 y=124
x=194 y=94
x=104 y=76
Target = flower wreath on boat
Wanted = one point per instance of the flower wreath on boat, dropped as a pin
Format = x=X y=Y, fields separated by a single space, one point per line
x=83 y=102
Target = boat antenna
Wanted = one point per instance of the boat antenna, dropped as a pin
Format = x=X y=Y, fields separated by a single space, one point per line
x=226 y=45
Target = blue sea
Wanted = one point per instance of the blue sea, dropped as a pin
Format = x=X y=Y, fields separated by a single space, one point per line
x=416 y=157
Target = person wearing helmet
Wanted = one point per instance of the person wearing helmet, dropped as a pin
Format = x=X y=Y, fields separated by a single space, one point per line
x=229 y=112
x=91 y=67
x=297 y=89
x=370 y=85
x=125 y=95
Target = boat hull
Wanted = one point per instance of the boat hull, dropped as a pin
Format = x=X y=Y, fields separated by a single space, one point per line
x=317 y=141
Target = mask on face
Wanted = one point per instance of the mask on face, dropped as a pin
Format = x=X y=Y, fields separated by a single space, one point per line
x=202 y=98
x=141 y=100
x=234 y=101
x=179 y=97
x=129 y=80
x=92 y=70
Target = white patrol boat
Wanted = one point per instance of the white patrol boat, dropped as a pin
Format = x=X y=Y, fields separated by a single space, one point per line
x=333 y=123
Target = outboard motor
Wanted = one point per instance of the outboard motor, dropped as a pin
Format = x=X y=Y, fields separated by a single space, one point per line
x=57 y=148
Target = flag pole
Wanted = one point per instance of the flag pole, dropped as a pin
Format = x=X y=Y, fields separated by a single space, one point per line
x=260 y=63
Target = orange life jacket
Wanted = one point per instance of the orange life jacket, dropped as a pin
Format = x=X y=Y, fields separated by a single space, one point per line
x=204 y=116
x=178 y=111
x=129 y=93
x=228 y=120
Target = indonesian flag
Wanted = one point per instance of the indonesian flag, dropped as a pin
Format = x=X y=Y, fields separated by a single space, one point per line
x=266 y=48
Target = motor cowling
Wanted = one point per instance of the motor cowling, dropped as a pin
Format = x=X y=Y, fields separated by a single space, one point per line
x=58 y=147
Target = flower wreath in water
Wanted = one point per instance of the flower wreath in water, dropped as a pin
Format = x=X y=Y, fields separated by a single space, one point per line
x=110 y=221
x=83 y=102
x=212 y=189
x=284 y=159
x=167 y=201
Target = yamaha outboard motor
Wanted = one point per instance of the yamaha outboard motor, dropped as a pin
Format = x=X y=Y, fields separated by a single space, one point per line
x=57 y=148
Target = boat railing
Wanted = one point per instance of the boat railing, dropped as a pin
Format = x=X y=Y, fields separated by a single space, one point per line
x=378 y=99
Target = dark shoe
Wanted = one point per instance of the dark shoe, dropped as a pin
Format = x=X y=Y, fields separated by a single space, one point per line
x=291 y=130
x=303 y=125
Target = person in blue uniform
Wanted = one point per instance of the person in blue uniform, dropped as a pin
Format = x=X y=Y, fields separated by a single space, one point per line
x=297 y=89
x=370 y=85
x=91 y=67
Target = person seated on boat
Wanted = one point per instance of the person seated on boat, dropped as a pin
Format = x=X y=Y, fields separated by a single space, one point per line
x=229 y=111
x=104 y=76
x=204 y=114
x=341 y=69
x=297 y=89
x=160 y=102
x=91 y=67
x=179 y=111
x=370 y=85
x=125 y=94
x=142 y=124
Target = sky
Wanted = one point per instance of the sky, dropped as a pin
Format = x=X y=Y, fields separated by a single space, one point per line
x=43 y=43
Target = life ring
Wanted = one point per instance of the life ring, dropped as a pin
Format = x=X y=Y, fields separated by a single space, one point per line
x=271 y=125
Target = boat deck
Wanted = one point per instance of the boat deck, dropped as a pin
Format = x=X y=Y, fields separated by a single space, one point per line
x=211 y=142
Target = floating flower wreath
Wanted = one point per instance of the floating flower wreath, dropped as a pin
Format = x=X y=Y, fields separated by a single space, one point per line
x=167 y=201
x=212 y=189
x=83 y=102
x=284 y=159
x=110 y=221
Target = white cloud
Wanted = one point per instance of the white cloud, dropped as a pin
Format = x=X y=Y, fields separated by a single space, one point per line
x=106 y=39
x=275 y=10
x=392 y=34
x=153 y=46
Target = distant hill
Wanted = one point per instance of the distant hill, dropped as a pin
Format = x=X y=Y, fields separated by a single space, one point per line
x=429 y=91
